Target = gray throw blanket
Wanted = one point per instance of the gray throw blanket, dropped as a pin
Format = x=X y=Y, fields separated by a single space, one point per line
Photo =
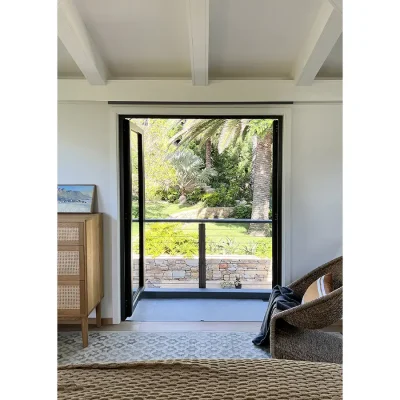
x=283 y=298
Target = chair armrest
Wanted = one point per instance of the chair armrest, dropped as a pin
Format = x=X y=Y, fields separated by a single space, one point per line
x=316 y=314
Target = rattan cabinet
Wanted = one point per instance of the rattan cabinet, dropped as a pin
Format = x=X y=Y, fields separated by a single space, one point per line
x=80 y=268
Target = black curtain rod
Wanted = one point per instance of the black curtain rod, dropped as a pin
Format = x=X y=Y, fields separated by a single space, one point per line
x=207 y=103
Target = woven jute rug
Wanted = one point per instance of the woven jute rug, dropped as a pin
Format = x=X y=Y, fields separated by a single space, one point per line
x=202 y=380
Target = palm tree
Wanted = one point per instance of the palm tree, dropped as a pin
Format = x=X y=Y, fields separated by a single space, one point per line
x=226 y=132
x=190 y=172
x=208 y=154
x=207 y=143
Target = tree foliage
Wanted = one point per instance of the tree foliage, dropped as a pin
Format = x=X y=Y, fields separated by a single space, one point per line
x=190 y=171
x=223 y=132
x=159 y=171
x=260 y=127
x=174 y=160
x=233 y=168
x=226 y=133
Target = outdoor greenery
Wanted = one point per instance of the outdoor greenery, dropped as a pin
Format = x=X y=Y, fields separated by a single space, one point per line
x=190 y=171
x=222 y=198
x=225 y=133
x=233 y=169
x=175 y=239
x=221 y=238
x=242 y=211
x=195 y=163
x=169 y=239
x=162 y=209
x=159 y=172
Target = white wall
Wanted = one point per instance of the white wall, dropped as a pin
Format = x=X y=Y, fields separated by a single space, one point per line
x=87 y=154
x=316 y=189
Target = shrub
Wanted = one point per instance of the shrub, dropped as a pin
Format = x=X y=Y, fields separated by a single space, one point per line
x=231 y=246
x=264 y=249
x=211 y=199
x=214 y=247
x=222 y=197
x=249 y=249
x=169 y=238
x=234 y=168
x=171 y=195
x=242 y=211
x=195 y=196
x=223 y=246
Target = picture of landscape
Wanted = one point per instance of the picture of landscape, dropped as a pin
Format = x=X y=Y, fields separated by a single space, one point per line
x=75 y=198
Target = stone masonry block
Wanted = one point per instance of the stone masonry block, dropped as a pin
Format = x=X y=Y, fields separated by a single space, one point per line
x=178 y=274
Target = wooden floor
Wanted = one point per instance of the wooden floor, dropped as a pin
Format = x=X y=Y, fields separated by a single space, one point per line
x=181 y=326
x=172 y=327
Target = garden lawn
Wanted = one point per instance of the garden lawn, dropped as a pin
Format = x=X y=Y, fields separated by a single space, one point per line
x=163 y=209
x=220 y=238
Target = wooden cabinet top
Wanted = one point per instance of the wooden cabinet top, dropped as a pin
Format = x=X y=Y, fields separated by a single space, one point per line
x=79 y=217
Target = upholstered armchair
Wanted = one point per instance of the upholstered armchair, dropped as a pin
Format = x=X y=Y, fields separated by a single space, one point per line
x=296 y=334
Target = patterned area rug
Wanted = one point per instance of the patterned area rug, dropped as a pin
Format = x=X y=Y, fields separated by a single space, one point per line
x=140 y=346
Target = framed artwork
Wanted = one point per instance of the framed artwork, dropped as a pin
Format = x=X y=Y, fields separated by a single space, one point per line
x=76 y=198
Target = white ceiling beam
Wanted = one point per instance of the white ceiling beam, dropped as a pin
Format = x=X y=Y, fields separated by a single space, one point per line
x=323 y=36
x=338 y=4
x=198 y=21
x=74 y=35
x=227 y=91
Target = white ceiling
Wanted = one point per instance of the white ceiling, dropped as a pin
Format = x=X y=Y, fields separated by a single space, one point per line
x=251 y=39
x=139 y=38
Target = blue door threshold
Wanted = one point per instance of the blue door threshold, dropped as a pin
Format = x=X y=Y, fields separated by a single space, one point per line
x=198 y=310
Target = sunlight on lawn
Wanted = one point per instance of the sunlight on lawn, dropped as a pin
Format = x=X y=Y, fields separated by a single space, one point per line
x=220 y=238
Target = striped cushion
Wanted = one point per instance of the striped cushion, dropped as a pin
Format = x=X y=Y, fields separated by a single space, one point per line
x=321 y=287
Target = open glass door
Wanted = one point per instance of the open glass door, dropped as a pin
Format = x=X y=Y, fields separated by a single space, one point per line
x=190 y=246
x=132 y=215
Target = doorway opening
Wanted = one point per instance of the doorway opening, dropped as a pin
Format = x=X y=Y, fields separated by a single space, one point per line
x=200 y=212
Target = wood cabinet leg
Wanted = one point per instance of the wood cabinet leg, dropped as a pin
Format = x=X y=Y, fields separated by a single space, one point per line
x=98 y=315
x=85 y=331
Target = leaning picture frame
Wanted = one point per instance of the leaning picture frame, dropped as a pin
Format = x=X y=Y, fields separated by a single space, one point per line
x=79 y=198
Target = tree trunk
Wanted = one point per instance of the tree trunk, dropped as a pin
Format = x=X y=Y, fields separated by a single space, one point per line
x=262 y=184
x=253 y=159
x=208 y=154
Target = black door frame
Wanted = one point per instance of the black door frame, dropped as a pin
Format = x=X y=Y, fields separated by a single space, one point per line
x=128 y=300
x=277 y=205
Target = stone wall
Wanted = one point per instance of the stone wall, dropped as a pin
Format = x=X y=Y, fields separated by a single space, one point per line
x=175 y=271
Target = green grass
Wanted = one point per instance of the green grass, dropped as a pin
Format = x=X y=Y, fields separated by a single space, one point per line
x=162 y=209
x=220 y=238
